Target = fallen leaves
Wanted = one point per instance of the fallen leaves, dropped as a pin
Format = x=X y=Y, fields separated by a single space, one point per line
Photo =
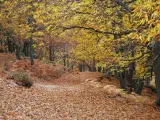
x=66 y=98
x=63 y=103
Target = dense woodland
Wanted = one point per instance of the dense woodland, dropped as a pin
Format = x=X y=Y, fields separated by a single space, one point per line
x=119 y=38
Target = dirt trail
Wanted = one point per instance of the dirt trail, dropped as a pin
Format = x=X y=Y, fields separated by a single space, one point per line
x=67 y=102
x=66 y=98
x=59 y=87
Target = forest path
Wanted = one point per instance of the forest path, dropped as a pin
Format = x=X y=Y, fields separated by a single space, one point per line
x=63 y=101
x=66 y=98
x=59 y=87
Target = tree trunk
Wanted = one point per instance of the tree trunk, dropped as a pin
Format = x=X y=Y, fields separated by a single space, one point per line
x=157 y=70
x=31 y=51
x=139 y=86
x=94 y=66
x=26 y=48
x=80 y=66
x=64 y=60
x=99 y=69
x=13 y=47
x=51 y=52
x=122 y=80
x=18 y=52
x=83 y=66
x=89 y=68
x=9 y=43
x=149 y=70
x=51 y=48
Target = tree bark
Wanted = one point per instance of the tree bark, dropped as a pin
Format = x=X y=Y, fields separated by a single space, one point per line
x=80 y=66
x=26 y=48
x=18 y=52
x=157 y=70
x=9 y=43
x=51 y=52
x=64 y=60
x=31 y=51
x=67 y=61
x=99 y=69
x=89 y=67
x=51 y=48
x=122 y=79
x=94 y=66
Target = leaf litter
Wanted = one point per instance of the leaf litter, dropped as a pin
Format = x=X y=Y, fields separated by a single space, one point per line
x=70 y=97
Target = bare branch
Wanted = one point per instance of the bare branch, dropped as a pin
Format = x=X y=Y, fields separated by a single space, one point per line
x=98 y=31
x=135 y=58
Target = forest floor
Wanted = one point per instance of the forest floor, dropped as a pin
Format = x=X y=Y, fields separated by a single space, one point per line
x=61 y=95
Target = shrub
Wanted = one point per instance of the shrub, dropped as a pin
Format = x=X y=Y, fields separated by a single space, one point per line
x=18 y=75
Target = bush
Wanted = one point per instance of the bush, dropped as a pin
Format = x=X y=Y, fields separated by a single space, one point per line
x=21 y=78
x=18 y=75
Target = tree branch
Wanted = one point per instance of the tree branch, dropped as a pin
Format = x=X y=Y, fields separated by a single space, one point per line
x=135 y=58
x=87 y=13
x=98 y=31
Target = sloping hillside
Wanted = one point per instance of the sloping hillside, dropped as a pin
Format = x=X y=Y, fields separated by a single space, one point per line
x=69 y=96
